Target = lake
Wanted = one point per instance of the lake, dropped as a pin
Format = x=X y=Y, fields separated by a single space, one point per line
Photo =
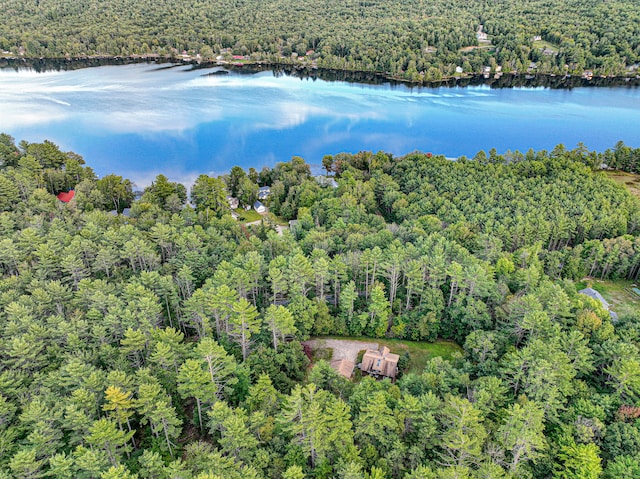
x=143 y=119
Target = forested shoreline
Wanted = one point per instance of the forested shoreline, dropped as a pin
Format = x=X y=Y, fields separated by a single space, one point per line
x=414 y=41
x=509 y=80
x=148 y=336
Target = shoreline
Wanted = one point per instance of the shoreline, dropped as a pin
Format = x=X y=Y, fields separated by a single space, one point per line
x=498 y=80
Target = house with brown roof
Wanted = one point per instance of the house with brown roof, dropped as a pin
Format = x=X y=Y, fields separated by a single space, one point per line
x=380 y=363
x=344 y=367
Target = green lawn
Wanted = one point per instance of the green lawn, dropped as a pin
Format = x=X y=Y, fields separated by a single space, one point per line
x=280 y=220
x=246 y=216
x=419 y=352
x=618 y=293
x=541 y=45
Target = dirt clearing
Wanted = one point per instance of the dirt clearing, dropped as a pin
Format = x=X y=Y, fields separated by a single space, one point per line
x=342 y=348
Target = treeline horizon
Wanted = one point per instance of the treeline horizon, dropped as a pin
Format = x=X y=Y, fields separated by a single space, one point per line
x=415 y=41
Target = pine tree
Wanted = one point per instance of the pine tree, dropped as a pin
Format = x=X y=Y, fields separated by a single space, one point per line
x=236 y=440
x=464 y=434
x=277 y=278
x=522 y=434
x=244 y=323
x=105 y=434
x=220 y=366
x=195 y=381
x=347 y=306
x=119 y=405
x=221 y=302
x=279 y=321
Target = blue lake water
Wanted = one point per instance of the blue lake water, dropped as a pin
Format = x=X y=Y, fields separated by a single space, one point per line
x=140 y=120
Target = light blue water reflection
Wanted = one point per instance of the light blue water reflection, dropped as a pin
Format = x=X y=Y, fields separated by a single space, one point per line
x=139 y=120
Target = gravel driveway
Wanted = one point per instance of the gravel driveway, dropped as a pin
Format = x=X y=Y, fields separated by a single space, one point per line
x=342 y=348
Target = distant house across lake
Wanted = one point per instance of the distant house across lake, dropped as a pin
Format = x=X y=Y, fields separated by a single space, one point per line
x=264 y=192
x=325 y=181
x=233 y=202
x=259 y=207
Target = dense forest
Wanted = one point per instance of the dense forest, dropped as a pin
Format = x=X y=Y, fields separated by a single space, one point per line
x=147 y=336
x=413 y=40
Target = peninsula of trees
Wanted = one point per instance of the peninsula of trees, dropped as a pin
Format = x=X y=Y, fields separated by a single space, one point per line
x=159 y=338
x=414 y=40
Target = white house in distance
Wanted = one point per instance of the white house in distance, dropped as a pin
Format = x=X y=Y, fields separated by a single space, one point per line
x=233 y=202
x=325 y=181
x=264 y=192
x=259 y=207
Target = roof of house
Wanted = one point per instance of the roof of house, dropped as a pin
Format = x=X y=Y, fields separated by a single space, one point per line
x=595 y=295
x=325 y=181
x=381 y=362
x=66 y=196
x=264 y=192
x=344 y=367
x=125 y=212
x=257 y=205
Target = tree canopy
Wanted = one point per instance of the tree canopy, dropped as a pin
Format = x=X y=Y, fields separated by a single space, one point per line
x=167 y=342
x=409 y=39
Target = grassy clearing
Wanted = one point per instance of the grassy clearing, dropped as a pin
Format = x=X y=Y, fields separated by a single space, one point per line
x=484 y=46
x=247 y=216
x=280 y=220
x=630 y=180
x=419 y=352
x=541 y=45
x=618 y=293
